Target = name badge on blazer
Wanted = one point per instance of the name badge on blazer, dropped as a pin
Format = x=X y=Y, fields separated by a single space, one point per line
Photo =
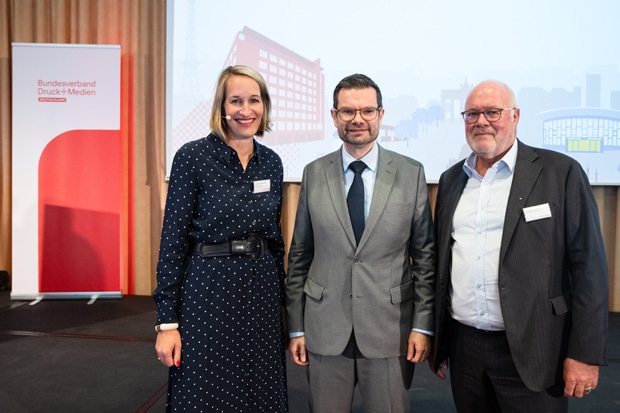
x=537 y=212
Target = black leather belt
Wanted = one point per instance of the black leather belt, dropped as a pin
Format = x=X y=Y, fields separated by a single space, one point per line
x=478 y=330
x=254 y=246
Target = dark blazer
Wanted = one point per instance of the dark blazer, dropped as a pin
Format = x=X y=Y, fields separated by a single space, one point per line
x=553 y=283
x=334 y=286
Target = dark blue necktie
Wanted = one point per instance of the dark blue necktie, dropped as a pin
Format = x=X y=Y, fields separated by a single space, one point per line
x=355 y=199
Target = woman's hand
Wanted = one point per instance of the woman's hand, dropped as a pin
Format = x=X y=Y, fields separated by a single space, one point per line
x=168 y=347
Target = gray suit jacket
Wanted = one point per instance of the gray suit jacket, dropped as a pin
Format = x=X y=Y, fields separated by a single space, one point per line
x=552 y=272
x=381 y=288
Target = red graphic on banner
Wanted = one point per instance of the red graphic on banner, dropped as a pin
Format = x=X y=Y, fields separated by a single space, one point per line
x=79 y=212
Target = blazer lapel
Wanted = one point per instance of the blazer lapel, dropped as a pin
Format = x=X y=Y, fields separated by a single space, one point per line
x=383 y=186
x=334 y=177
x=525 y=175
x=453 y=194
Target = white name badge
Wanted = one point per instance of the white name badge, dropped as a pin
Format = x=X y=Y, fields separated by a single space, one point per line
x=537 y=212
x=262 y=186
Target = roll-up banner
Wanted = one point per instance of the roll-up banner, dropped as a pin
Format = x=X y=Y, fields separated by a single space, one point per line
x=66 y=171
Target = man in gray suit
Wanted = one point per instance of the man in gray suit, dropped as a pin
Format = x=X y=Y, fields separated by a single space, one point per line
x=360 y=298
x=522 y=294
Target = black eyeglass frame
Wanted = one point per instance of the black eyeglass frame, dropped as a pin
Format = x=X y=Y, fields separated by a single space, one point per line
x=469 y=113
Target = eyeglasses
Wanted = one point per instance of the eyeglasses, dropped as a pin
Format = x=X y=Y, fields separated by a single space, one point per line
x=348 y=114
x=492 y=115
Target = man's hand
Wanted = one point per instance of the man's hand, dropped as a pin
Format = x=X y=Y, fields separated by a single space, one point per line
x=297 y=347
x=418 y=347
x=440 y=371
x=579 y=378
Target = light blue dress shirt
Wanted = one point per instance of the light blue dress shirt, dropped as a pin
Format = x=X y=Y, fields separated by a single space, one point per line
x=477 y=229
x=369 y=174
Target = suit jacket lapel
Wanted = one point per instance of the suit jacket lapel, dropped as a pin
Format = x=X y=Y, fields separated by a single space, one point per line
x=383 y=186
x=334 y=178
x=525 y=175
x=453 y=194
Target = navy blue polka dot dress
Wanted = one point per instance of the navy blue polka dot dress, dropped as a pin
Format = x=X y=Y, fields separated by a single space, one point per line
x=228 y=308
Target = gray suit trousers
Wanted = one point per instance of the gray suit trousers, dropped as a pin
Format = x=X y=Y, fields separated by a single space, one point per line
x=383 y=382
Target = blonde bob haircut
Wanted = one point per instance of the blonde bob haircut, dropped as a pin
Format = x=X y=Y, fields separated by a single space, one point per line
x=218 y=124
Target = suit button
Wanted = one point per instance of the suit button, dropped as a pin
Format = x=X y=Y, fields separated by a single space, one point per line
x=356 y=261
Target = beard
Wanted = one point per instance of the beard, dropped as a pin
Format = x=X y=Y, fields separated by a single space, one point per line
x=358 y=140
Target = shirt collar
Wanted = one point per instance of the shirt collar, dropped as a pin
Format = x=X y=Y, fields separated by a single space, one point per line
x=226 y=151
x=508 y=160
x=259 y=151
x=370 y=159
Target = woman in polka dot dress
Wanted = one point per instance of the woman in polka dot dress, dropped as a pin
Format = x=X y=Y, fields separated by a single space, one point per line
x=220 y=274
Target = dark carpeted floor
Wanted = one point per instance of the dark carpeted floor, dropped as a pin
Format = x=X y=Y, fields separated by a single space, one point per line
x=72 y=356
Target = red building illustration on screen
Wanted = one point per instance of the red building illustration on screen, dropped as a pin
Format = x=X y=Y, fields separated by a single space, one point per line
x=296 y=86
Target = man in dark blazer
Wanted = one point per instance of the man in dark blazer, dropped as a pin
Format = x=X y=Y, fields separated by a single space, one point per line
x=522 y=290
x=360 y=311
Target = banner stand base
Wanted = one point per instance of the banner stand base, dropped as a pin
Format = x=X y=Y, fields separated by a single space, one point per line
x=90 y=296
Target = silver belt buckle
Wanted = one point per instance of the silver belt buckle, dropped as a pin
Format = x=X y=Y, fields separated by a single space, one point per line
x=238 y=247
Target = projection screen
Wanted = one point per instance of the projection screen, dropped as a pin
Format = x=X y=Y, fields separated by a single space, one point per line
x=560 y=57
